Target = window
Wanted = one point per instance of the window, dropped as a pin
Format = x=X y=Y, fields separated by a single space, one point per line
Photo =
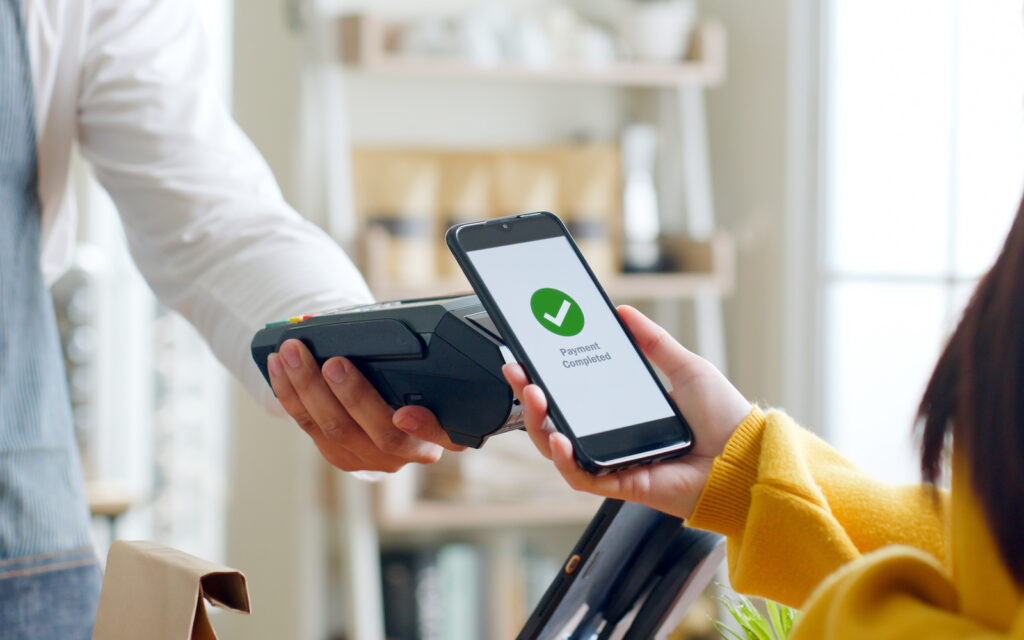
x=923 y=166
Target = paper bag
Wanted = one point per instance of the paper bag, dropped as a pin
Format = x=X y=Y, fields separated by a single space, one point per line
x=155 y=592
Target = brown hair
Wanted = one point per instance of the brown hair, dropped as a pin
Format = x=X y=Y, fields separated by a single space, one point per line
x=977 y=392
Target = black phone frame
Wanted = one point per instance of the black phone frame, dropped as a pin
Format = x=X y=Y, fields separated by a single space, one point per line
x=623 y=443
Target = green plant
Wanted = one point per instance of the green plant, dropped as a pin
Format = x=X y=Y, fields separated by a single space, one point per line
x=777 y=625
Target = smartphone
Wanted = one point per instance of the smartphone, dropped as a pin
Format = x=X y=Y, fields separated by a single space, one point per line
x=560 y=325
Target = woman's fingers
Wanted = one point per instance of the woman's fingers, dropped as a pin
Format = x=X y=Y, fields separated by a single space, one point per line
x=707 y=399
x=711 y=404
x=535 y=407
x=665 y=352
x=609 y=486
x=515 y=375
x=538 y=424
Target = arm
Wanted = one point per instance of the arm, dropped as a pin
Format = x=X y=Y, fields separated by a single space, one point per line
x=894 y=594
x=794 y=510
x=209 y=229
x=205 y=221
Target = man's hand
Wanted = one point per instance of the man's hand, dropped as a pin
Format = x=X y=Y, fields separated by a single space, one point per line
x=348 y=420
x=711 y=405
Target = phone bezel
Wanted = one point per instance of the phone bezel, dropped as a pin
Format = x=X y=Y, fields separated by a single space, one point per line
x=598 y=453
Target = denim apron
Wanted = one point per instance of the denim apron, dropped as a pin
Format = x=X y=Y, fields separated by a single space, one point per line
x=49 y=578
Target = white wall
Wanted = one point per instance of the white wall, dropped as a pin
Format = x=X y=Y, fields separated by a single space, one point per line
x=748 y=131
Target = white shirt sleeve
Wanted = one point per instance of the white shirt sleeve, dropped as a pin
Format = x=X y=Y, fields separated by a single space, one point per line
x=205 y=220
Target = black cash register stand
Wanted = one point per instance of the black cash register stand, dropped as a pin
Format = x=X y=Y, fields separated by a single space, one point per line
x=632 y=575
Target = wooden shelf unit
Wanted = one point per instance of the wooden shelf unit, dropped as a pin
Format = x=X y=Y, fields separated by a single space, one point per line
x=368 y=45
x=443 y=515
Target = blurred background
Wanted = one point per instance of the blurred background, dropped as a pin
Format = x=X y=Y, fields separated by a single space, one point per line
x=803 y=191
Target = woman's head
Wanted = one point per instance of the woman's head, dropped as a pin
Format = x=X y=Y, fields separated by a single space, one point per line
x=977 y=391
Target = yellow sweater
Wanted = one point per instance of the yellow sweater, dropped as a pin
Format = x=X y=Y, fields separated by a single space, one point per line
x=864 y=559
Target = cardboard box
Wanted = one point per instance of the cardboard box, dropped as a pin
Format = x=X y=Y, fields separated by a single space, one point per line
x=152 y=591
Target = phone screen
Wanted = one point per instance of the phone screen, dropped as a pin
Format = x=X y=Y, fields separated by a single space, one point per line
x=571 y=336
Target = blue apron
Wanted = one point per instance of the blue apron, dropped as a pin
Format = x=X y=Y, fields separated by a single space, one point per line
x=49 y=578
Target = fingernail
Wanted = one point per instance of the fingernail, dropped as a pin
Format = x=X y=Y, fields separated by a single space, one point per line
x=290 y=353
x=335 y=371
x=274 y=364
x=548 y=426
x=409 y=423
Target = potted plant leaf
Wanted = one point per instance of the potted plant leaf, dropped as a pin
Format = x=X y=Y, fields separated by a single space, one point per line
x=776 y=624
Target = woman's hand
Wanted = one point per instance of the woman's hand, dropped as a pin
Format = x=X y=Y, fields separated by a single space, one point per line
x=708 y=401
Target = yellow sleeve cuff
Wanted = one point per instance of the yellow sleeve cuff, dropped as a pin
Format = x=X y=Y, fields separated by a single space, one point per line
x=725 y=501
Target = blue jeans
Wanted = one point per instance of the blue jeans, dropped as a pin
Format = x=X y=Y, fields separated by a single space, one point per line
x=52 y=595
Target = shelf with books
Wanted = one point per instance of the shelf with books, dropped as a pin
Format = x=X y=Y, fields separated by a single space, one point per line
x=462 y=589
x=497 y=521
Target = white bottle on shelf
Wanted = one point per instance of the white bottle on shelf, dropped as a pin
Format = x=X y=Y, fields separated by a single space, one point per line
x=641 y=225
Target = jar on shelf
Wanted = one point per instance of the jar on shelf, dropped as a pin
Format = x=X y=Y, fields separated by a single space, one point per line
x=658 y=30
x=396 y=195
x=465 y=196
x=525 y=181
x=589 y=201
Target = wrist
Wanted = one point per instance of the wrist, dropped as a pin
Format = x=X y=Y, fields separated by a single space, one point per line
x=725 y=498
x=686 y=502
x=739 y=413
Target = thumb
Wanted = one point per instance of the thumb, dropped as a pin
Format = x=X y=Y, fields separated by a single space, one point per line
x=664 y=351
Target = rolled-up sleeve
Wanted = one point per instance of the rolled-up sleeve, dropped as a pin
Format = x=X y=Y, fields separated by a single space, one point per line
x=204 y=218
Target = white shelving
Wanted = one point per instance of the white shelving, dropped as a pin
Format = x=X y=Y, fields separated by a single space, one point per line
x=447 y=516
x=365 y=48
x=706 y=274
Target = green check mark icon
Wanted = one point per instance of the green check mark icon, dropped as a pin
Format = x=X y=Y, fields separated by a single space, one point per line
x=557 y=312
